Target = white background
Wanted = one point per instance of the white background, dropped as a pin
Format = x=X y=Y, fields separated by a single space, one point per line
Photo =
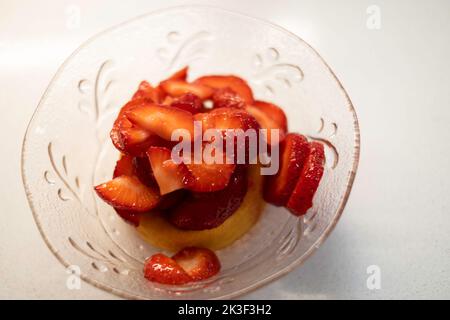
x=398 y=77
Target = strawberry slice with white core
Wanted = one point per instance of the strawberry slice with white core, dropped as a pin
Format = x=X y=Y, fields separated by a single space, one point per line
x=198 y=263
x=161 y=120
x=129 y=193
x=168 y=174
x=162 y=269
x=302 y=196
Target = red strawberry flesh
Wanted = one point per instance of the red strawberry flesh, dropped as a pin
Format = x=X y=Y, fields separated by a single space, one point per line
x=128 y=193
x=302 y=196
x=162 y=269
x=227 y=98
x=177 y=88
x=124 y=166
x=167 y=173
x=180 y=74
x=236 y=84
x=131 y=217
x=188 y=102
x=269 y=116
x=161 y=120
x=207 y=210
x=293 y=153
x=147 y=91
x=199 y=263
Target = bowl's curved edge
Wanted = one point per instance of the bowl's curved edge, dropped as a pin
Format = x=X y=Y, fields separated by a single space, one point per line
x=265 y=281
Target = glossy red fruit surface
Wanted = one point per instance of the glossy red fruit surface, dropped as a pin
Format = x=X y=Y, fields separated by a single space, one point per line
x=302 y=196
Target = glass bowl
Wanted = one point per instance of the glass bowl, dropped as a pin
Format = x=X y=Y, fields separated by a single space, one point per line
x=66 y=150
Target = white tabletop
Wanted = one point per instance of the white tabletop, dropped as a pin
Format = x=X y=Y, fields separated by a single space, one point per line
x=396 y=70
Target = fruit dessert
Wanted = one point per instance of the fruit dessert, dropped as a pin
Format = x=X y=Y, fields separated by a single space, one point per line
x=190 y=175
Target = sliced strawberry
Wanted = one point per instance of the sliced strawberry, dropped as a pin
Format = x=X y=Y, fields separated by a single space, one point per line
x=129 y=216
x=302 y=196
x=188 y=102
x=124 y=166
x=206 y=210
x=168 y=174
x=180 y=74
x=227 y=98
x=161 y=120
x=147 y=91
x=231 y=119
x=227 y=118
x=177 y=88
x=269 y=116
x=199 y=263
x=162 y=269
x=129 y=193
x=129 y=138
x=236 y=84
x=206 y=177
x=293 y=153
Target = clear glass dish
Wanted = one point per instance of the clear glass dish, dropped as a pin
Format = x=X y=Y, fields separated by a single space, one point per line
x=67 y=150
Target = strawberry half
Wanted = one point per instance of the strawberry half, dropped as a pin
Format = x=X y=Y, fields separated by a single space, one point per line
x=227 y=98
x=236 y=84
x=206 y=210
x=269 y=116
x=128 y=193
x=161 y=120
x=162 y=269
x=177 y=88
x=147 y=91
x=302 y=196
x=168 y=174
x=188 y=102
x=293 y=153
x=198 y=263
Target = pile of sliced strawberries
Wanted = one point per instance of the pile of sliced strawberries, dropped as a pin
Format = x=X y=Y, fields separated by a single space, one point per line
x=198 y=196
